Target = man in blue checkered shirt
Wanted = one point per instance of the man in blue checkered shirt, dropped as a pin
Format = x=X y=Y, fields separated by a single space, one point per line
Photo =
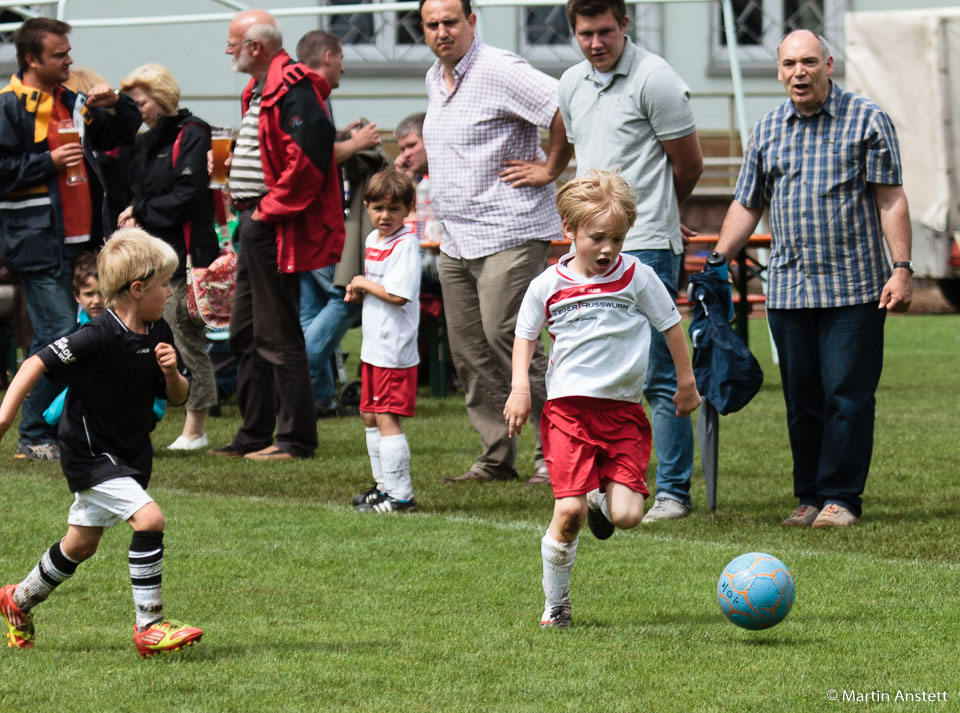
x=827 y=164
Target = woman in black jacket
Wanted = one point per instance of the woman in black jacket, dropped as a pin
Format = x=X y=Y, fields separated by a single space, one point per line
x=172 y=200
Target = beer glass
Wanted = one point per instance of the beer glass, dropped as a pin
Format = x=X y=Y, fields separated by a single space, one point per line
x=220 y=143
x=69 y=133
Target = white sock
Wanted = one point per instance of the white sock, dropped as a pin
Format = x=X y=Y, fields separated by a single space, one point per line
x=395 y=461
x=557 y=564
x=53 y=569
x=597 y=500
x=146 y=572
x=605 y=508
x=373 y=450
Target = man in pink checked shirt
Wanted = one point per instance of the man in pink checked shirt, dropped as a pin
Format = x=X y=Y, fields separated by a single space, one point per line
x=491 y=187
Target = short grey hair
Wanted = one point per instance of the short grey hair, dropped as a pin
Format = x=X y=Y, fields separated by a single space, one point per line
x=269 y=36
x=824 y=46
x=412 y=124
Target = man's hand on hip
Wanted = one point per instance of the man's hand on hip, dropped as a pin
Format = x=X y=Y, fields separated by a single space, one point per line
x=525 y=173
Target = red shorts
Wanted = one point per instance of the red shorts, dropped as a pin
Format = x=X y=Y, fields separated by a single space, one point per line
x=385 y=390
x=589 y=442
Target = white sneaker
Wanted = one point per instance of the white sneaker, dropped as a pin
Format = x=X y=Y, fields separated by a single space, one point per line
x=189 y=444
x=665 y=509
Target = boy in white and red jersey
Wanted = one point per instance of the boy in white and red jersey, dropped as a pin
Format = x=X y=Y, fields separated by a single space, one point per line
x=390 y=292
x=598 y=307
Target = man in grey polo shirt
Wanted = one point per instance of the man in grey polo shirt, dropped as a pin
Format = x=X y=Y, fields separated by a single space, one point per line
x=625 y=108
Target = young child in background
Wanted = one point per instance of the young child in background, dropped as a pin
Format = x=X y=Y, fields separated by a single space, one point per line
x=598 y=306
x=115 y=366
x=390 y=292
x=86 y=288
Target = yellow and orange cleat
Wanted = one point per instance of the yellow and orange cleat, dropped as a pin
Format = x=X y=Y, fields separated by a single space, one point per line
x=165 y=635
x=19 y=624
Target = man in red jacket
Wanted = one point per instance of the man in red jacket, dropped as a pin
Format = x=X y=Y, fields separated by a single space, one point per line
x=283 y=183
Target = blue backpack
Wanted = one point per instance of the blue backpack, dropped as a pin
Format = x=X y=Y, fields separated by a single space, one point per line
x=727 y=374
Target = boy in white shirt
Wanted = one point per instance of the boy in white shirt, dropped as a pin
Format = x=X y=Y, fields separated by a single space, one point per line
x=598 y=306
x=390 y=292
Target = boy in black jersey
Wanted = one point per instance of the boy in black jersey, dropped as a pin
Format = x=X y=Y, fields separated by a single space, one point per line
x=114 y=366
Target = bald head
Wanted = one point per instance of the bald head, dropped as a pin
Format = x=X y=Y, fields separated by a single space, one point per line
x=805 y=36
x=253 y=39
x=243 y=21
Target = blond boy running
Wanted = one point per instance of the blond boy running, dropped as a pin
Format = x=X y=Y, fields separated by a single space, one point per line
x=114 y=367
x=598 y=307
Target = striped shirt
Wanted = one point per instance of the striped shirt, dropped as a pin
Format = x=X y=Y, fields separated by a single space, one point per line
x=491 y=115
x=813 y=172
x=246 y=171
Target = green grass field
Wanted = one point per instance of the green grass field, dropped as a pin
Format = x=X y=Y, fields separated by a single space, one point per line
x=308 y=606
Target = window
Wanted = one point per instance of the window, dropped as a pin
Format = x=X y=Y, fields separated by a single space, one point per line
x=545 y=34
x=379 y=37
x=760 y=25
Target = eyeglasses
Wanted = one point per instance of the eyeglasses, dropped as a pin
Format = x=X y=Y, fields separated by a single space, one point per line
x=233 y=45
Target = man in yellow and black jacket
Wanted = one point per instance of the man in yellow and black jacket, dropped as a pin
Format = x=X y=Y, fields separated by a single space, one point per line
x=52 y=204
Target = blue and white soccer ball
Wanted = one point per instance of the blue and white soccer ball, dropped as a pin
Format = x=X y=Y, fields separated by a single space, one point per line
x=755 y=591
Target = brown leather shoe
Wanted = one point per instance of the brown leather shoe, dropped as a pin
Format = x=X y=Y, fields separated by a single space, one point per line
x=269 y=453
x=227 y=451
x=541 y=476
x=470 y=475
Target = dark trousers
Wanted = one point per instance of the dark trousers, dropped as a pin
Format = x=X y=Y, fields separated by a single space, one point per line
x=273 y=377
x=830 y=364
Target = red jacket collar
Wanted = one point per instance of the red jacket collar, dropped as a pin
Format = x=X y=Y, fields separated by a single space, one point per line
x=282 y=73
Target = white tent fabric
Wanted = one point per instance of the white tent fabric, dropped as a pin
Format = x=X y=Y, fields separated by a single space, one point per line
x=906 y=61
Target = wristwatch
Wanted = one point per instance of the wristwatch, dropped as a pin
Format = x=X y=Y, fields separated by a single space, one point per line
x=904 y=263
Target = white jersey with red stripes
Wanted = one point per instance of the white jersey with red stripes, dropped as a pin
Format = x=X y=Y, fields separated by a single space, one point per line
x=390 y=332
x=599 y=326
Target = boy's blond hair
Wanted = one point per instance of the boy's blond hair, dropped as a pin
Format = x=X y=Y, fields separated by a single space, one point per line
x=129 y=255
x=155 y=80
x=594 y=195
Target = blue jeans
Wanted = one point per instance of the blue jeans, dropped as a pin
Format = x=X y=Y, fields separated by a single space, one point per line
x=830 y=364
x=325 y=318
x=53 y=314
x=672 y=436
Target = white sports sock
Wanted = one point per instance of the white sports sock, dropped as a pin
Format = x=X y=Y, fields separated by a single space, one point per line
x=146 y=574
x=373 y=450
x=597 y=500
x=557 y=564
x=53 y=569
x=395 y=461
x=605 y=508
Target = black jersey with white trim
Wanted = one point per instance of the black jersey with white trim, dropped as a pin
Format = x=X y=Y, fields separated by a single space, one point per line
x=113 y=377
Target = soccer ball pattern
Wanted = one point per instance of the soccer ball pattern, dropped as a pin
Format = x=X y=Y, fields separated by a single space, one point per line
x=755 y=591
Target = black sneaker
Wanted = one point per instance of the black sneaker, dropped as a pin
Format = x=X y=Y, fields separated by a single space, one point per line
x=372 y=495
x=388 y=505
x=599 y=525
x=557 y=617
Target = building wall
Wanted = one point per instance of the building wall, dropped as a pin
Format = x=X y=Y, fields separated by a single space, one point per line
x=385 y=93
